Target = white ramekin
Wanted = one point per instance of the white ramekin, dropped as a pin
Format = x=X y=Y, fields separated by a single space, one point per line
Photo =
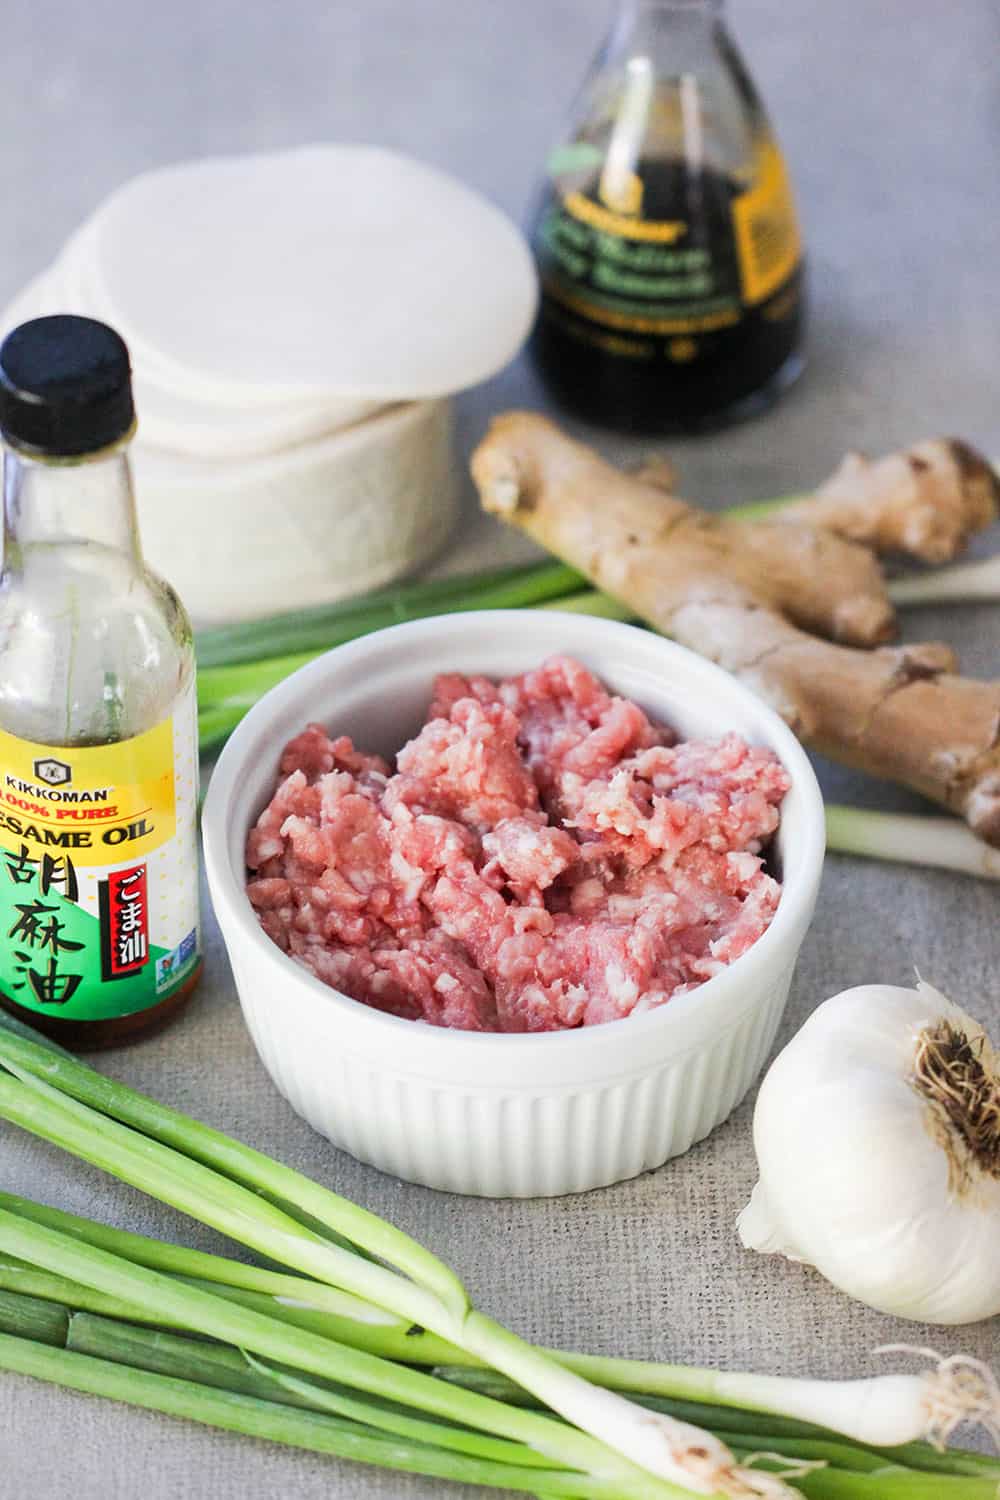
x=506 y=1116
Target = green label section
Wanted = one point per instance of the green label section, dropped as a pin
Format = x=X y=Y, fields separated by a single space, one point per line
x=59 y=959
x=601 y=270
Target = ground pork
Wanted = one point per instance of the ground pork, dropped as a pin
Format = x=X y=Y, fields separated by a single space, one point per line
x=543 y=857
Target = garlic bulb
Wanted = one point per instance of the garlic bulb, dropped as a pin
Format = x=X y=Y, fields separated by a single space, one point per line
x=877 y=1133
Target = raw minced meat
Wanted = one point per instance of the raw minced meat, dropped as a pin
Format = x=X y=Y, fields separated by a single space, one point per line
x=544 y=856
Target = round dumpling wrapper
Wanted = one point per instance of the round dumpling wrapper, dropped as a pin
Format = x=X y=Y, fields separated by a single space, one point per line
x=208 y=421
x=348 y=270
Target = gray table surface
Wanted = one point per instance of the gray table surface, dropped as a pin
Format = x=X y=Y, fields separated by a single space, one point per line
x=890 y=116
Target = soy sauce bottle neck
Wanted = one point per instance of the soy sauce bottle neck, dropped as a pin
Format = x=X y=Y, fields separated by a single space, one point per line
x=681 y=24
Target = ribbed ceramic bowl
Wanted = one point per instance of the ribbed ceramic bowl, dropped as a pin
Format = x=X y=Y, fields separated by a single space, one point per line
x=506 y=1116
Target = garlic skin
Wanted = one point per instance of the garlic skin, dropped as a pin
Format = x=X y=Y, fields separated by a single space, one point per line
x=878 y=1142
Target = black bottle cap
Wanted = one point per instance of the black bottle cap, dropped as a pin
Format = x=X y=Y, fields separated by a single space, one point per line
x=65 y=386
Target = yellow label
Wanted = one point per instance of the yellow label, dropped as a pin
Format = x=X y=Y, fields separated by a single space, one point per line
x=672 y=324
x=767 y=232
x=663 y=232
x=101 y=804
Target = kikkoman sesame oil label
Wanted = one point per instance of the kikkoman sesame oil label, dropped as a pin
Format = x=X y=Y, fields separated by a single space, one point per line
x=99 y=871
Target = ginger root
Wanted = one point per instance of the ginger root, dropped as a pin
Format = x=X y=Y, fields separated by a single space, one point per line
x=925 y=502
x=745 y=594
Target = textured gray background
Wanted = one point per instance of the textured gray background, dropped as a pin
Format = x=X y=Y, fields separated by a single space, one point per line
x=889 y=113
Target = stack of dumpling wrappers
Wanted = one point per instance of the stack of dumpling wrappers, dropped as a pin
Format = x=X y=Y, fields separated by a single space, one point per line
x=297 y=323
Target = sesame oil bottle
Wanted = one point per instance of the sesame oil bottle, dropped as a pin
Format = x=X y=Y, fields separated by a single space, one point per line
x=99 y=937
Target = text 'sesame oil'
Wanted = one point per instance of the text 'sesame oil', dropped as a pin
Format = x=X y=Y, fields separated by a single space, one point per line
x=667 y=239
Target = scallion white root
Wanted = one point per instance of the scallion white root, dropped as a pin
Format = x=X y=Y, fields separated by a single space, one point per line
x=671 y=1449
x=940 y=843
x=959 y=1390
x=965 y=583
x=881 y=1411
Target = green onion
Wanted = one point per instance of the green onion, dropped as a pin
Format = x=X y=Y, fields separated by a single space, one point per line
x=209 y=1153
x=212 y=1315
x=33 y=1318
x=602 y=1435
x=30 y=1095
x=592 y=602
x=241 y=685
x=891 y=1483
x=281 y=1423
x=393 y=1419
x=742 y=1423
x=200 y=1365
x=230 y=1369
x=222 y=1367
x=216 y=724
x=369 y=1329
x=327 y=625
x=160 y=1353
x=761 y=510
x=20 y=1278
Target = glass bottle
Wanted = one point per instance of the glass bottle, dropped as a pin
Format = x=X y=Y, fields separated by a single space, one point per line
x=98 y=746
x=666 y=238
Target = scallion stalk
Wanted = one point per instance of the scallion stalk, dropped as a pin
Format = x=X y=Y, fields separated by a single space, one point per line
x=200 y=1365
x=371 y=1330
x=174 y=1355
x=216 y=723
x=742 y=1423
x=964 y=583
x=223 y=1367
x=592 y=602
x=562 y=1444
x=282 y=1423
x=241 y=685
x=33 y=1318
x=318 y=629
x=19 y=1278
x=196 y=1264
x=229 y=1369
x=889 y=1483
x=183 y=1146
x=52 y=1096
x=30 y=1095
x=938 y=843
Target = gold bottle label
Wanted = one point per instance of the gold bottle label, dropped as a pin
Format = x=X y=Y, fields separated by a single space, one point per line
x=768 y=244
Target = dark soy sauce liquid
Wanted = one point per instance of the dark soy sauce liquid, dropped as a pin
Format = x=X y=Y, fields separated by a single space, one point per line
x=611 y=371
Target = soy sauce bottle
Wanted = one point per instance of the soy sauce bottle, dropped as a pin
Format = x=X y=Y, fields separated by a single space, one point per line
x=666 y=239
